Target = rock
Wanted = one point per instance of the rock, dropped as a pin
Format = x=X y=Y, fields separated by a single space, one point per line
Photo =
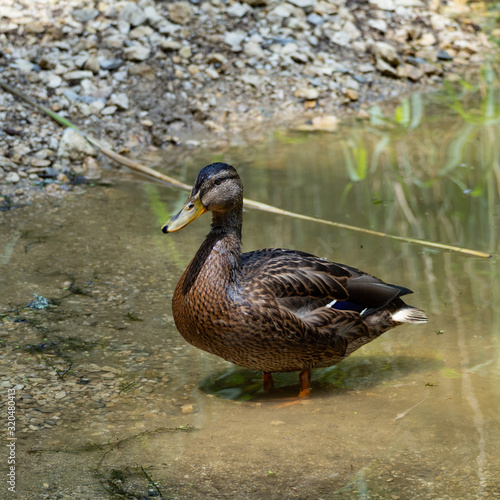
x=23 y=65
x=238 y=9
x=109 y=110
x=74 y=146
x=307 y=93
x=351 y=94
x=315 y=19
x=212 y=73
x=383 y=4
x=12 y=177
x=307 y=5
x=413 y=73
x=92 y=64
x=152 y=15
x=442 y=55
x=253 y=49
x=187 y=408
x=96 y=106
x=430 y=69
x=38 y=162
x=85 y=15
x=141 y=32
x=251 y=79
x=326 y=123
x=186 y=52
x=426 y=40
x=76 y=76
x=439 y=22
x=466 y=45
x=7 y=164
x=427 y=53
x=257 y=3
x=386 y=52
x=341 y=38
x=234 y=39
x=170 y=45
x=120 y=100
x=280 y=12
x=386 y=69
x=132 y=14
x=378 y=24
x=91 y=171
x=110 y=64
x=51 y=80
x=181 y=12
x=137 y=52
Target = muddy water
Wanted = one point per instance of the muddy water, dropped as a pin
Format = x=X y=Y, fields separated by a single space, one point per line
x=111 y=399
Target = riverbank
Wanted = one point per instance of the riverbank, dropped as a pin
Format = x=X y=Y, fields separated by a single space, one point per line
x=145 y=76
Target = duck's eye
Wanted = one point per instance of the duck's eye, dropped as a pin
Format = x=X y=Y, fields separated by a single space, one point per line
x=218 y=182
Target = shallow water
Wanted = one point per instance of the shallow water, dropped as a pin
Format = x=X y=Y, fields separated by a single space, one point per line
x=110 y=397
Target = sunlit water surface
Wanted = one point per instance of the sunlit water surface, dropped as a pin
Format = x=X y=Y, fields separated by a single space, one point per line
x=415 y=414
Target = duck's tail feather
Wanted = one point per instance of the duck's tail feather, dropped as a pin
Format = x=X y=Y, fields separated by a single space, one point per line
x=409 y=314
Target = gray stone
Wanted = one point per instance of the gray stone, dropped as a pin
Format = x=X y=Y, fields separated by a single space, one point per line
x=234 y=39
x=383 y=4
x=78 y=75
x=386 y=69
x=341 y=38
x=181 y=12
x=257 y=3
x=91 y=169
x=12 y=177
x=132 y=14
x=307 y=93
x=74 y=146
x=253 y=49
x=152 y=15
x=109 y=110
x=238 y=9
x=443 y=55
x=85 y=15
x=315 y=19
x=120 y=100
x=23 y=65
x=307 y=5
x=386 y=52
x=378 y=24
x=279 y=13
x=137 y=52
x=110 y=64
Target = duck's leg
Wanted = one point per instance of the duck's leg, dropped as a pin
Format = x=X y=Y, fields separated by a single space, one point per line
x=305 y=383
x=267 y=380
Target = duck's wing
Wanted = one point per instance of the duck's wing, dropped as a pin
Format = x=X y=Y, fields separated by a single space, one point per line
x=301 y=280
x=288 y=274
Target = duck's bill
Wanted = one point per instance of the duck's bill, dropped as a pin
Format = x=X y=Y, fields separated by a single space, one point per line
x=192 y=209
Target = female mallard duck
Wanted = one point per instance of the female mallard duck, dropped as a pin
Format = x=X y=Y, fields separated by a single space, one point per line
x=273 y=310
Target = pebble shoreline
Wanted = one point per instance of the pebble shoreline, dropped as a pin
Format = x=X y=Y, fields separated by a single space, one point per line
x=147 y=74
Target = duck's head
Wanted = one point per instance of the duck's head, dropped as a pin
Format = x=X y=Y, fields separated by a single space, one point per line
x=217 y=189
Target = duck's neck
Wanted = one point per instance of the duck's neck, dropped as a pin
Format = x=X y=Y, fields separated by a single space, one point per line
x=227 y=224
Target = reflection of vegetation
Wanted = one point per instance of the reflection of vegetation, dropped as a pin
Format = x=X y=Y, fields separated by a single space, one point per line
x=429 y=169
x=355 y=373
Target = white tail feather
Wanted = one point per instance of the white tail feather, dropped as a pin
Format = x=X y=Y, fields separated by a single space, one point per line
x=409 y=315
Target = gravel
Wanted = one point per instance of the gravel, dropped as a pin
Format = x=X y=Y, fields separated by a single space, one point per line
x=148 y=75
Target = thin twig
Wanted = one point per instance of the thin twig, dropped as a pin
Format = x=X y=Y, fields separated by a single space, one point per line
x=138 y=167
x=404 y=413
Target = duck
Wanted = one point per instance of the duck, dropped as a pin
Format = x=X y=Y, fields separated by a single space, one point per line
x=273 y=310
